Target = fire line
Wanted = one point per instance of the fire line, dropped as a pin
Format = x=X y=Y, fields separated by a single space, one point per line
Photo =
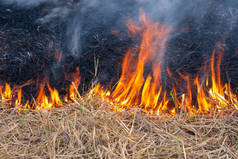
x=12 y=96
x=134 y=89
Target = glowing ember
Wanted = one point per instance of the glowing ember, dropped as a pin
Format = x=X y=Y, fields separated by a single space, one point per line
x=147 y=93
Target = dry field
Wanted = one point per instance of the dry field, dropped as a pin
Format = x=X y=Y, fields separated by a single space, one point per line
x=88 y=129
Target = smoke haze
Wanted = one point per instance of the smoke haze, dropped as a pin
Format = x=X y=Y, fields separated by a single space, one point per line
x=169 y=11
x=25 y=3
x=197 y=24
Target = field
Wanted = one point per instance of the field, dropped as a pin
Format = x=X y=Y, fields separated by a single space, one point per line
x=156 y=55
x=89 y=129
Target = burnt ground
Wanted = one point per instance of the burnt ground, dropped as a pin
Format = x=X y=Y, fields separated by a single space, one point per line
x=27 y=47
x=197 y=39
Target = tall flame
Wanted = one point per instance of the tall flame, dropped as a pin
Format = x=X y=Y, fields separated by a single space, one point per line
x=216 y=97
x=139 y=87
x=133 y=89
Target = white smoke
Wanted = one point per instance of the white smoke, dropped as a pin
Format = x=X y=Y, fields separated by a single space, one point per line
x=169 y=11
x=26 y=3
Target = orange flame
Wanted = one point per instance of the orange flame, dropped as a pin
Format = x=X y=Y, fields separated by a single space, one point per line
x=7 y=94
x=133 y=89
x=42 y=102
x=137 y=87
x=73 y=94
x=218 y=97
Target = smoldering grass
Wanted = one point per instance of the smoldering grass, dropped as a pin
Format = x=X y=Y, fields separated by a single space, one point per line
x=100 y=133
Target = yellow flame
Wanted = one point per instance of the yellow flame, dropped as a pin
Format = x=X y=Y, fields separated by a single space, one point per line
x=133 y=89
x=42 y=102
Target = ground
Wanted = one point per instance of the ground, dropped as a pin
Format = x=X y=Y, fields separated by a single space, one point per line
x=89 y=129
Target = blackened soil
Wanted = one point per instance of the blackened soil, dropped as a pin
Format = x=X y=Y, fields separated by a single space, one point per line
x=27 y=47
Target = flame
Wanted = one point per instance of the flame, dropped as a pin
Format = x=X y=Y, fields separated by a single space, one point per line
x=73 y=93
x=134 y=89
x=138 y=87
x=42 y=102
x=7 y=94
x=216 y=98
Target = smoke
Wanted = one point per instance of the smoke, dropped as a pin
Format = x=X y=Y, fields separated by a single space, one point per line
x=169 y=11
x=81 y=16
x=73 y=36
x=26 y=3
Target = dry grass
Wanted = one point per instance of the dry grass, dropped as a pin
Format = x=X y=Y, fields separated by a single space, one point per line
x=90 y=130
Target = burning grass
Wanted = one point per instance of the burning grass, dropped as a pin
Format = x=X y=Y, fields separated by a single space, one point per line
x=136 y=119
x=88 y=129
x=147 y=92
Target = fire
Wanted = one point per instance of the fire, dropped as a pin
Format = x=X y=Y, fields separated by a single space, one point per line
x=7 y=94
x=140 y=84
x=73 y=94
x=212 y=95
x=134 y=89
x=42 y=102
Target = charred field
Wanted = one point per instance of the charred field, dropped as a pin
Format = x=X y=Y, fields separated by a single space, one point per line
x=86 y=55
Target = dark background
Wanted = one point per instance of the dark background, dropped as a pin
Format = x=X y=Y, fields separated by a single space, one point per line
x=27 y=46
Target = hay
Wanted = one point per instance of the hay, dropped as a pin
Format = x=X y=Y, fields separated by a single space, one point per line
x=89 y=129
